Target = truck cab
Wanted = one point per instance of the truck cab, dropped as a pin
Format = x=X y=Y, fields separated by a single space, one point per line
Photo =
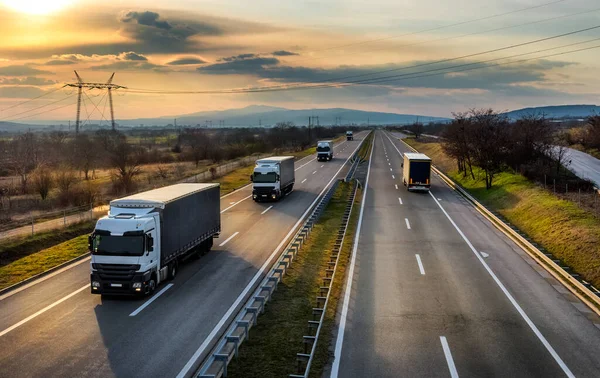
x=272 y=178
x=125 y=248
x=324 y=150
x=349 y=135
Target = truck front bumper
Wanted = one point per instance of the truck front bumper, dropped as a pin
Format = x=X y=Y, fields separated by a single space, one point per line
x=138 y=285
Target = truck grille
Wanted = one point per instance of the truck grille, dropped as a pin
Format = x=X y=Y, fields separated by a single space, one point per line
x=264 y=190
x=116 y=272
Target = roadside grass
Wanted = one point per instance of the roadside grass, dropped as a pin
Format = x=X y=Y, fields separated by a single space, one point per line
x=236 y=179
x=570 y=233
x=274 y=342
x=41 y=261
x=365 y=148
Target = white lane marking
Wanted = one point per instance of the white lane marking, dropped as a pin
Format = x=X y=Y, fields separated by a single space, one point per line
x=303 y=181
x=231 y=203
x=421 y=269
x=154 y=297
x=42 y=279
x=314 y=172
x=400 y=200
x=305 y=164
x=348 y=289
x=208 y=340
x=449 y=360
x=267 y=209
x=512 y=300
x=237 y=203
x=390 y=164
x=485 y=254
x=391 y=170
x=43 y=310
x=407 y=223
x=393 y=177
x=322 y=165
x=228 y=239
x=396 y=185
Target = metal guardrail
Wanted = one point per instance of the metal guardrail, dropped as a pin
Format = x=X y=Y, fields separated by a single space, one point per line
x=227 y=348
x=583 y=290
x=314 y=326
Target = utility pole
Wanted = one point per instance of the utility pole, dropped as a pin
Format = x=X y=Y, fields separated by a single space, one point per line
x=80 y=85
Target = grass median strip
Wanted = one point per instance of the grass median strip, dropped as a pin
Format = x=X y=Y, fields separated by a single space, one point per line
x=570 y=233
x=274 y=342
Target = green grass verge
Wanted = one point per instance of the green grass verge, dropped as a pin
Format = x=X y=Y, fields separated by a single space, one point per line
x=365 y=148
x=41 y=261
x=17 y=248
x=273 y=343
x=570 y=233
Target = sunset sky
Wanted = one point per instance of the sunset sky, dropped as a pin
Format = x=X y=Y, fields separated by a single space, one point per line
x=196 y=45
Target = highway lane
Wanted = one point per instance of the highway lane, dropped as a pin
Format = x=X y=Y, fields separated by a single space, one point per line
x=419 y=316
x=583 y=165
x=88 y=335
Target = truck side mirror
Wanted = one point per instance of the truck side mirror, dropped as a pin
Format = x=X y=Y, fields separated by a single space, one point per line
x=90 y=243
x=402 y=165
x=251 y=178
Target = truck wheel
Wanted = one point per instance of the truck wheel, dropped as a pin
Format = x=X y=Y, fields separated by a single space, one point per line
x=151 y=285
x=209 y=244
x=173 y=270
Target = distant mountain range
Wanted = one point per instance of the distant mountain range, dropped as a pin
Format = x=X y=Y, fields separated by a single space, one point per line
x=256 y=115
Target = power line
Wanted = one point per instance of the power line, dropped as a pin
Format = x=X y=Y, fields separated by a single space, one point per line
x=43 y=112
x=32 y=99
x=39 y=107
x=438 y=27
x=340 y=79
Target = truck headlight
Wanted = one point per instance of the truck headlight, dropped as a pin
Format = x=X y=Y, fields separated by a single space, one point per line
x=95 y=284
x=273 y=196
x=137 y=285
x=254 y=196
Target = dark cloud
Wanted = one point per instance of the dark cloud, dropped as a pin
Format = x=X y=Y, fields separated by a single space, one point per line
x=284 y=53
x=186 y=61
x=59 y=62
x=132 y=56
x=250 y=66
x=26 y=81
x=20 y=92
x=238 y=57
x=21 y=70
x=146 y=18
x=129 y=65
x=397 y=75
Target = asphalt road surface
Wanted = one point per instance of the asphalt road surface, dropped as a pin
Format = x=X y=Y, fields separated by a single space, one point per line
x=437 y=291
x=584 y=166
x=57 y=328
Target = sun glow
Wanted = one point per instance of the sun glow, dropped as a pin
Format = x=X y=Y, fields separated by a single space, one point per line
x=37 y=7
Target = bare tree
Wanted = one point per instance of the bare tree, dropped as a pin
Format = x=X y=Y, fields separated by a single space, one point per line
x=85 y=154
x=489 y=142
x=456 y=142
x=417 y=129
x=65 y=180
x=24 y=157
x=42 y=181
x=126 y=166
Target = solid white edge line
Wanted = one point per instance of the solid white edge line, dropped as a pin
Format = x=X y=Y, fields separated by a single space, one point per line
x=421 y=268
x=303 y=181
x=7 y=330
x=449 y=359
x=42 y=279
x=154 y=297
x=512 y=300
x=267 y=209
x=407 y=223
x=400 y=200
x=235 y=204
x=229 y=238
x=185 y=370
x=348 y=289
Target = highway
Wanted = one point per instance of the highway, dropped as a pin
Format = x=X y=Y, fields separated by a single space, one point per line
x=57 y=328
x=583 y=165
x=435 y=290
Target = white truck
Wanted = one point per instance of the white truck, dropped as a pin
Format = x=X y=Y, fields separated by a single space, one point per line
x=144 y=237
x=349 y=135
x=273 y=178
x=417 y=171
x=325 y=150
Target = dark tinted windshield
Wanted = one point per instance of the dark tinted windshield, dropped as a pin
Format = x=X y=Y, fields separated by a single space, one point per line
x=323 y=148
x=118 y=245
x=265 y=177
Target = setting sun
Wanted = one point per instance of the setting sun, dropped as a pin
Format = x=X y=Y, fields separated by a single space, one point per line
x=38 y=7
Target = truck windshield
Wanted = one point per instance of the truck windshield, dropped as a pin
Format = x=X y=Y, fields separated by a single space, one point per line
x=270 y=177
x=118 y=245
x=323 y=148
